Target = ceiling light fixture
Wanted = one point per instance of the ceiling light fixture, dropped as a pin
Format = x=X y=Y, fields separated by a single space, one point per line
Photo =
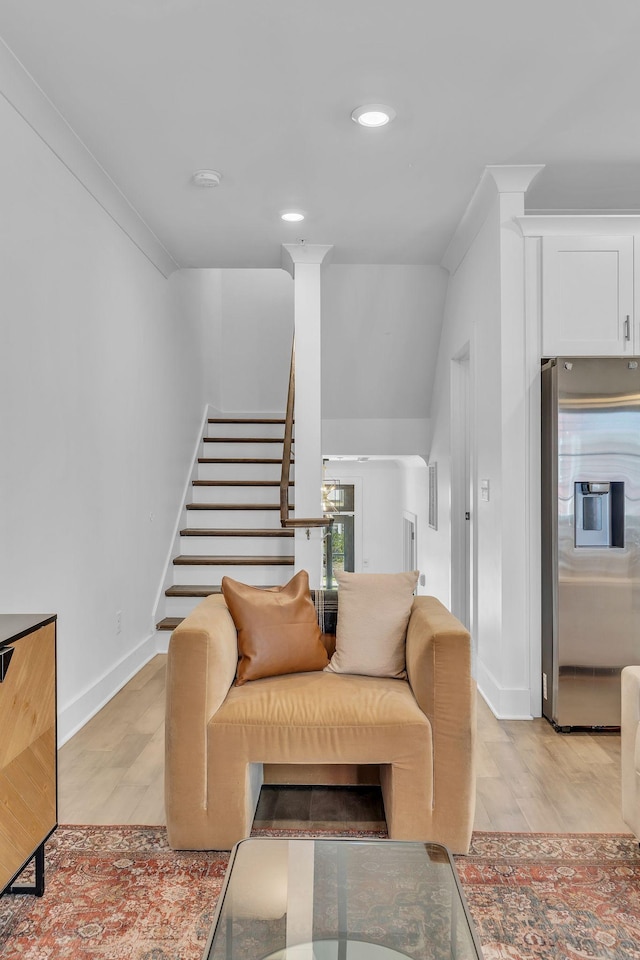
x=292 y=216
x=373 y=115
x=207 y=178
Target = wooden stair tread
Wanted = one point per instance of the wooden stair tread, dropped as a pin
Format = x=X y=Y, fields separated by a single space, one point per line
x=240 y=460
x=265 y=456
x=192 y=590
x=235 y=506
x=205 y=560
x=244 y=420
x=237 y=483
x=199 y=590
x=236 y=532
x=242 y=439
x=169 y=623
x=242 y=561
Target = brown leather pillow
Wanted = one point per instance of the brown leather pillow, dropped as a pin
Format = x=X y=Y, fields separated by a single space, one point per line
x=278 y=628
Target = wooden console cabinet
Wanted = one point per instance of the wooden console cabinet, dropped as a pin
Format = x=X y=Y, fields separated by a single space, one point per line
x=28 y=766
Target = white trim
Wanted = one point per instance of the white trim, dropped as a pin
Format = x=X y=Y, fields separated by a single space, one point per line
x=571 y=225
x=495 y=179
x=293 y=253
x=174 y=545
x=515 y=445
x=22 y=92
x=533 y=353
x=513 y=178
x=162 y=641
x=460 y=445
x=504 y=703
x=432 y=512
x=358 y=522
x=89 y=701
x=413 y=519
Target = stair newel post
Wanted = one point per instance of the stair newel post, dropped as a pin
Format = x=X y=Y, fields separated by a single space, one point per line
x=304 y=262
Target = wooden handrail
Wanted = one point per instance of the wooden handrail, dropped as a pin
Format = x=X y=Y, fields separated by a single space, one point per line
x=285 y=521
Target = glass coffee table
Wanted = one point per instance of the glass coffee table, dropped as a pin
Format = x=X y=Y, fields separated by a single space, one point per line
x=338 y=899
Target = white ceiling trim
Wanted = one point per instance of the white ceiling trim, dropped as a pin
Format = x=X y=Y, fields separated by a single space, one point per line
x=25 y=96
x=579 y=225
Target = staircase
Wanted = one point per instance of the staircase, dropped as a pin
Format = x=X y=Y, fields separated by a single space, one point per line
x=233 y=520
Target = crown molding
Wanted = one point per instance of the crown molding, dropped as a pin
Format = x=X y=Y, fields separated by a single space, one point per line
x=570 y=225
x=22 y=92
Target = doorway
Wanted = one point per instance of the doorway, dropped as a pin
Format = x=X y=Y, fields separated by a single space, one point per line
x=409 y=549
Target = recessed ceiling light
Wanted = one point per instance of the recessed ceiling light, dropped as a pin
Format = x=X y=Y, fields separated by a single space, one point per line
x=207 y=178
x=292 y=217
x=373 y=115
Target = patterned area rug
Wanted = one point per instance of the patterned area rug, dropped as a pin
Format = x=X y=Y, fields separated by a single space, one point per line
x=119 y=893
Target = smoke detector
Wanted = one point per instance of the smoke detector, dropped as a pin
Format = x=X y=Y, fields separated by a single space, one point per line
x=207 y=178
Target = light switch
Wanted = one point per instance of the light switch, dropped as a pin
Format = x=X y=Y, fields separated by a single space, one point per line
x=484 y=489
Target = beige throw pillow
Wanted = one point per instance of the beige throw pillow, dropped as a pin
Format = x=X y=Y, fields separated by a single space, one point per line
x=373 y=613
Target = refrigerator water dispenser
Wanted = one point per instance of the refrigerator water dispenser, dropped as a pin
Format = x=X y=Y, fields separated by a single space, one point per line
x=599 y=520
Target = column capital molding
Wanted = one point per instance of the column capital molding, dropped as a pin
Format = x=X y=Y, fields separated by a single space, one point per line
x=513 y=178
x=293 y=253
x=497 y=181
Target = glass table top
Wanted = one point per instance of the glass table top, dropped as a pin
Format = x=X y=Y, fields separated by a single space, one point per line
x=338 y=899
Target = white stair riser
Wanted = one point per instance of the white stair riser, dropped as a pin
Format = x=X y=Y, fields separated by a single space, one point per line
x=245 y=430
x=223 y=449
x=221 y=519
x=227 y=546
x=239 y=471
x=235 y=494
x=257 y=575
x=180 y=606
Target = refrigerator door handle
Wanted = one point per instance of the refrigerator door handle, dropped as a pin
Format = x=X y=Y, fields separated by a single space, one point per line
x=627 y=328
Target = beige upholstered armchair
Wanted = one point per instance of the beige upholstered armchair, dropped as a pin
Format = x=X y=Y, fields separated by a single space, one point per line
x=223 y=740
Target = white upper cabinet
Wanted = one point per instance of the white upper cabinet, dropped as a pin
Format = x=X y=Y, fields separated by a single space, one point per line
x=587 y=296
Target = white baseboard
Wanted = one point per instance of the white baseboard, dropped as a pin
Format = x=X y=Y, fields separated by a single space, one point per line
x=162 y=638
x=74 y=715
x=504 y=702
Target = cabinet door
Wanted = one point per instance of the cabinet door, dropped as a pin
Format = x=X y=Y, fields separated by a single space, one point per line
x=587 y=296
x=27 y=750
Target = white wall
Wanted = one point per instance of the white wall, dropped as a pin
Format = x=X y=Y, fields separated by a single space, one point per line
x=380 y=332
x=376 y=437
x=248 y=315
x=199 y=296
x=471 y=322
x=384 y=489
x=102 y=394
x=484 y=315
x=257 y=332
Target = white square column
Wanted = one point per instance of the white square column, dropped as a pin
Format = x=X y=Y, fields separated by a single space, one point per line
x=304 y=262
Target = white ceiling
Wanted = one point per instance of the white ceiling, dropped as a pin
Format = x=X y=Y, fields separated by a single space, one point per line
x=262 y=91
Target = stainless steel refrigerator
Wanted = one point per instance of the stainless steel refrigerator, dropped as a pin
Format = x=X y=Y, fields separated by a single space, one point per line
x=590 y=536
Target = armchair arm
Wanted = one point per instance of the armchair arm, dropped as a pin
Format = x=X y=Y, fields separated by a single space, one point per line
x=630 y=747
x=438 y=654
x=201 y=666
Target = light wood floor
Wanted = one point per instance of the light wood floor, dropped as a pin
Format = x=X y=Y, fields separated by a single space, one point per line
x=529 y=777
